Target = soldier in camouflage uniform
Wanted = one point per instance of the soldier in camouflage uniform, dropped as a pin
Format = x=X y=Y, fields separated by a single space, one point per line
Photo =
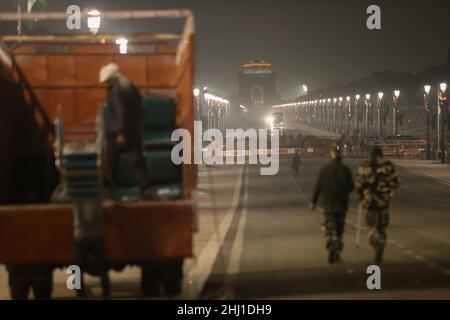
x=376 y=181
x=333 y=186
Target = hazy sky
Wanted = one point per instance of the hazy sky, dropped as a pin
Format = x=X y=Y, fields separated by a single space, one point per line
x=317 y=42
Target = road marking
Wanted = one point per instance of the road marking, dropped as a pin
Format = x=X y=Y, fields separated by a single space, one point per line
x=238 y=244
x=424 y=175
x=431 y=236
x=299 y=189
x=204 y=263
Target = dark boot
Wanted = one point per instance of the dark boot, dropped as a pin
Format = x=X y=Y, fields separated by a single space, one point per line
x=332 y=257
x=379 y=255
x=106 y=290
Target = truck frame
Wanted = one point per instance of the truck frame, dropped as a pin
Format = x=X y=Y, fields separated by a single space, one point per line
x=51 y=72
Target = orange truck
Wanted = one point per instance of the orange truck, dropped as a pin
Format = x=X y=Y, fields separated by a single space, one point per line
x=45 y=78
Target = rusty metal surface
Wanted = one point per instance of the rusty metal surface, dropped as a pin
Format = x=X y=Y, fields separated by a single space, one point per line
x=134 y=232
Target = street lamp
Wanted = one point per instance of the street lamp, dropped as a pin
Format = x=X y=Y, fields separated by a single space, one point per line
x=339 y=116
x=334 y=114
x=367 y=103
x=196 y=92
x=379 y=105
x=349 y=116
x=426 y=104
x=443 y=116
x=94 y=20
x=357 y=112
x=395 y=112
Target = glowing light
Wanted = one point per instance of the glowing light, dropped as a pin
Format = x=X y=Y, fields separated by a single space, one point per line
x=269 y=120
x=123 y=45
x=94 y=21
x=196 y=92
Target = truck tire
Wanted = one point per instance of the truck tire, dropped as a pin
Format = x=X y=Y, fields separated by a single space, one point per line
x=19 y=282
x=42 y=282
x=150 y=279
x=173 y=277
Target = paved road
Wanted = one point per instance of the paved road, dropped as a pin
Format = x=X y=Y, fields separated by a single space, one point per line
x=257 y=239
x=274 y=249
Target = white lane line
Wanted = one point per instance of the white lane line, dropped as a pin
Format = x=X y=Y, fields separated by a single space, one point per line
x=443 y=181
x=236 y=252
x=300 y=191
x=203 y=264
x=426 y=234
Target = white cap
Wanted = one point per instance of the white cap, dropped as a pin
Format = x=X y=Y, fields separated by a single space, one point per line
x=108 y=71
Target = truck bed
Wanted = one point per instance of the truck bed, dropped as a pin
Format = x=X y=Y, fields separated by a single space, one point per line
x=135 y=232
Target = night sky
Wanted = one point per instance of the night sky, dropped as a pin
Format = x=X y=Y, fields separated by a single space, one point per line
x=317 y=42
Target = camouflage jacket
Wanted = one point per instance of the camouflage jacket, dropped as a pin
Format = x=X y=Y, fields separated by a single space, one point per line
x=376 y=185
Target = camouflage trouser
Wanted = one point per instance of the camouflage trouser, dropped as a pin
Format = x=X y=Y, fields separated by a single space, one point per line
x=377 y=220
x=333 y=228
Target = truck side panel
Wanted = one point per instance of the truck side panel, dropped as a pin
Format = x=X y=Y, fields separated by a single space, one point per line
x=44 y=234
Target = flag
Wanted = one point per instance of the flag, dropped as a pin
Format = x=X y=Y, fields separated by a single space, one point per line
x=442 y=97
x=35 y=6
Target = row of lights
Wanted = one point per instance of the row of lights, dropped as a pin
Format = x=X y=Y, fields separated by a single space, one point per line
x=427 y=88
x=210 y=97
x=340 y=99
x=442 y=86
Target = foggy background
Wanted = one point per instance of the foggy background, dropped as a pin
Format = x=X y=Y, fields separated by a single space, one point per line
x=320 y=42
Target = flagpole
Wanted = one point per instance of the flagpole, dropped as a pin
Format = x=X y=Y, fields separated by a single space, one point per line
x=19 y=20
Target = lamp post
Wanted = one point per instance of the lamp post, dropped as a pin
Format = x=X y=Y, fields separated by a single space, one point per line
x=334 y=115
x=443 y=112
x=426 y=104
x=197 y=104
x=348 y=109
x=357 y=116
x=339 y=110
x=315 y=109
x=367 y=103
x=379 y=105
x=395 y=112
x=329 y=114
x=322 y=113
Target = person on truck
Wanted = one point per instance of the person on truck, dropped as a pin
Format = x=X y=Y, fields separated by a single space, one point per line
x=333 y=186
x=123 y=135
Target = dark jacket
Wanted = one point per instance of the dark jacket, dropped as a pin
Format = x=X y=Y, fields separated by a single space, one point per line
x=295 y=162
x=125 y=108
x=333 y=186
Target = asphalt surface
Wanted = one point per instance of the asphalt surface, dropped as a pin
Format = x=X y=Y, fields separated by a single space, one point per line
x=274 y=246
x=258 y=240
